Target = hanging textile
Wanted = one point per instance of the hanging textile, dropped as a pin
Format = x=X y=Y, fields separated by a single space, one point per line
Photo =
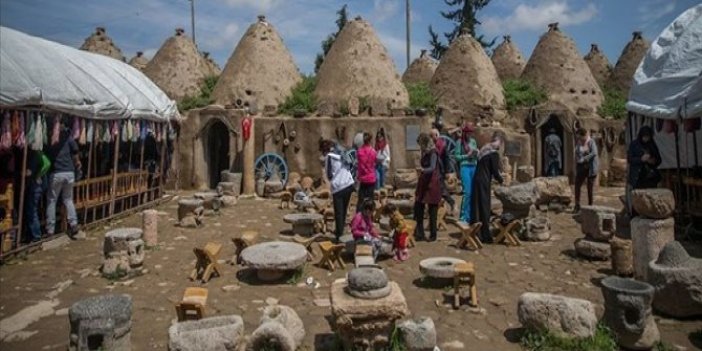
x=56 y=130
x=144 y=130
x=5 y=133
x=44 y=130
x=31 y=131
x=82 y=137
x=75 y=129
x=107 y=133
x=15 y=127
x=39 y=132
x=91 y=131
x=125 y=132
x=137 y=131
x=158 y=133
x=172 y=133
x=21 y=138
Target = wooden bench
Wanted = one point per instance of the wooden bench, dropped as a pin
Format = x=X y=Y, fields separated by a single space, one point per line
x=206 y=264
x=464 y=274
x=469 y=235
x=192 y=306
x=330 y=254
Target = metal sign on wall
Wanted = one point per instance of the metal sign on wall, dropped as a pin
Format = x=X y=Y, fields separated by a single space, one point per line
x=411 y=134
x=513 y=148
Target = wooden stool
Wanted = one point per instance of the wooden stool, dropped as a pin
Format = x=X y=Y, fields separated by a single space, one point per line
x=411 y=226
x=285 y=200
x=192 y=307
x=331 y=253
x=464 y=273
x=441 y=217
x=307 y=243
x=506 y=236
x=469 y=235
x=243 y=241
x=363 y=256
x=206 y=264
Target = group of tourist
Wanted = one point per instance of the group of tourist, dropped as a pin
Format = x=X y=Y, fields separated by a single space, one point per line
x=477 y=167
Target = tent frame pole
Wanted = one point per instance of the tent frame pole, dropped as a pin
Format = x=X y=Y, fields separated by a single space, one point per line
x=113 y=191
x=23 y=185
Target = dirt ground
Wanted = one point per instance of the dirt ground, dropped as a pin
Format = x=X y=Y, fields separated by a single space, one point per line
x=502 y=274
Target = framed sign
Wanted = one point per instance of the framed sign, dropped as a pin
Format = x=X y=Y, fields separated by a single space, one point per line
x=513 y=148
x=411 y=134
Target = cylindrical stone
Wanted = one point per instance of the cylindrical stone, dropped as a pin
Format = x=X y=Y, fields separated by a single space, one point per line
x=622 y=259
x=649 y=236
x=150 y=227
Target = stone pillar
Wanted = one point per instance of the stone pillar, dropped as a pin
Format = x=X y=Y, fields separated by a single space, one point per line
x=123 y=250
x=102 y=322
x=649 y=236
x=150 y=227
x=249 y=178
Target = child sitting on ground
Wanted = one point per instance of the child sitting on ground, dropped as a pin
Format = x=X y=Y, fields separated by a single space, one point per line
x=362 y=227
x=401 y=232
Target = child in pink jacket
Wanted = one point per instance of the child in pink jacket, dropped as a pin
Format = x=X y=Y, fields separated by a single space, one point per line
x=362 y=227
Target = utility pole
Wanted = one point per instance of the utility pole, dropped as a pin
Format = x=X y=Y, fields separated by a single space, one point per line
x=192 y=20
x=407 y=7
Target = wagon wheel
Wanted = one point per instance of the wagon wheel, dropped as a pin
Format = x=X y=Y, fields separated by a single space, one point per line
x=351 y=155
x=271 y=166
x=450 y=148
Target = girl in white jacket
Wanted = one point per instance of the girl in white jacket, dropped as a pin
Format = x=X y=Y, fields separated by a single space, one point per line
x=341 y=184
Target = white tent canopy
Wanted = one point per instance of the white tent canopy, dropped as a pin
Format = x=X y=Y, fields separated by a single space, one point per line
x=670 y=73
x=39 y=72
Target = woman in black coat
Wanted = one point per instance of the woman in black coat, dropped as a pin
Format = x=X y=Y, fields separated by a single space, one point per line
x=643 y=158
x=487 y=169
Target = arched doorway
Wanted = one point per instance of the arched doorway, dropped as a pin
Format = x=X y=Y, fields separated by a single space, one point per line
x=552 y=141
x=216 y=151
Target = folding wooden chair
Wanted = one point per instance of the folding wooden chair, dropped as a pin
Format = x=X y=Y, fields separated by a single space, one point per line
x=464 y=274
x=206 y=264
x=192 y=306
x=331 y=253
x=441 y=217
x=241 y=242
x=363 y=256
x=505 y=235
x=469 y=235
x=307 y=243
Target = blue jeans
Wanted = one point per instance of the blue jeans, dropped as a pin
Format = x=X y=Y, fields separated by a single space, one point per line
x=60 y=184
x=553 y=169
x=467 y=173
x=34 y=193
x=380 y=177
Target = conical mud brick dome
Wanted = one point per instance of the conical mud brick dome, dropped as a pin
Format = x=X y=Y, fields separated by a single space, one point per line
x=177 y=67
x=508 y=60
x=421 y=70
x=466 y=80
x=557 y=67
x=260 y=72
x=632 y=55
x=599 y=65
x=100 y=43
x=210 y=66
x=139 y=61
x=359 y=67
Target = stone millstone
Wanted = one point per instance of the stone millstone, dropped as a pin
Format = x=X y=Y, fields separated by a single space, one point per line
x=561 y=315
x=418 y=334
x=653 y=203
x=593 y=249
x=274 y=255
x=439 y=267
x=368 y=283
x=677 y=279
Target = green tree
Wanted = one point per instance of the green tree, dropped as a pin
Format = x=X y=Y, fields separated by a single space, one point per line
x=341 y=20
x=464 y=16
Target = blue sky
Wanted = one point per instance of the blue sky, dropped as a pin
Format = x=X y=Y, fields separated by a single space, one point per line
x=143 y=25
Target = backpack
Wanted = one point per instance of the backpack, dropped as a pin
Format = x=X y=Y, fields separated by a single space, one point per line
x=346 y=159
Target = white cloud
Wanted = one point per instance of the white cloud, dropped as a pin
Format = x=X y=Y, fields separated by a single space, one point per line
x=536 y=17
x=397 y=48
x=384 y=9
x=261 y=5
x=651 y=11
x=225 y=38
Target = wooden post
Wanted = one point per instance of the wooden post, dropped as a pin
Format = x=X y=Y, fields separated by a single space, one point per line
x=113 y=190
x=164 y=149
x=249 y=179
x=22 y=187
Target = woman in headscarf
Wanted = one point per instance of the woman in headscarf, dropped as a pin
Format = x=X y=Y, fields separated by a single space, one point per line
x=428 y=187
x=487 y=169
x=383 y=151
x=586 y=166
x=643 y=158
x=466 y=155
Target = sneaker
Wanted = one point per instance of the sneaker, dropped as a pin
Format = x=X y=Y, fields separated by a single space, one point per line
x=72 y=232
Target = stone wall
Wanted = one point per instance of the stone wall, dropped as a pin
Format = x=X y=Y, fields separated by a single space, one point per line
x=302 y=153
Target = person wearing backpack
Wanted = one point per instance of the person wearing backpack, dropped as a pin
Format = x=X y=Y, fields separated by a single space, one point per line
x=37 y=167
x=340 y=181
x=553 y=164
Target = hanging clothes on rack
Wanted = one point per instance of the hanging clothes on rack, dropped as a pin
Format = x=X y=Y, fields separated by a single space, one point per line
x=83 y=137
x=31 y=130
x=5 y=132
x=56 y=130
x=15 y=127
x=44 y=130
x=90 y=134
x=125 y=132
x=135 y=131
x=75 y=129
x=21 y=137
x=39 y=132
